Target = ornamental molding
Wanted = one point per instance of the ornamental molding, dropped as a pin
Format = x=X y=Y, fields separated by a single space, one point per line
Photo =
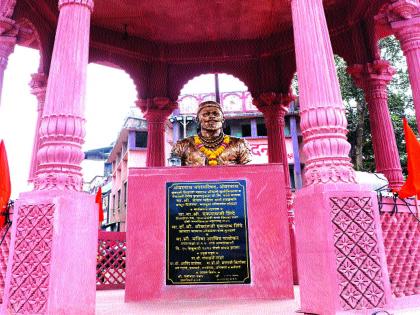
x=60 y=181
x=157 y=109
x=38 y=85
x=270 y=102
x=379 y=72
x=87 y=3
x=329 y=171
x=7 y=7
x=399 y=13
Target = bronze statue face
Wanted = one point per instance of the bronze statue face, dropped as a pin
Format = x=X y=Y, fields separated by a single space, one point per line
x=210 y=118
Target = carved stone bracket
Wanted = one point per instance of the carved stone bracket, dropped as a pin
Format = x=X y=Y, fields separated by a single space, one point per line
x=8 y=33
x=403 y=16
x=156 y=109
x=379 y=70
x=38 y=86
x=7 y=7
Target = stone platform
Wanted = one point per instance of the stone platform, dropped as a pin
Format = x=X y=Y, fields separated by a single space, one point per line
x=112 y=303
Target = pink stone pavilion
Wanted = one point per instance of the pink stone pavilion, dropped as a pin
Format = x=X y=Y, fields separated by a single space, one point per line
x=340 y=249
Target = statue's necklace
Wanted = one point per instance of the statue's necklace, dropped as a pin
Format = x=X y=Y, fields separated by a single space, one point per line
x=211 y=142
x=212 y=155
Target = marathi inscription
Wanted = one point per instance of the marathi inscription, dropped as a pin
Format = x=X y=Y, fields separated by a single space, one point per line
x=207 y=240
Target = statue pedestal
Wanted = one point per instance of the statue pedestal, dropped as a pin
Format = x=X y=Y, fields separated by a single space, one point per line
x=270 y=264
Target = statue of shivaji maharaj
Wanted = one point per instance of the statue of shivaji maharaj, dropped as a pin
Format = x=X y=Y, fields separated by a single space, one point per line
x=211 y=146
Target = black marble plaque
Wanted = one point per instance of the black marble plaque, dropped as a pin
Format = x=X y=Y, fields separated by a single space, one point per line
x=207 y=233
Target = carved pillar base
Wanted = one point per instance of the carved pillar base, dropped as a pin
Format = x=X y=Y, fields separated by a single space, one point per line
x=52 y=259
x=341 y=258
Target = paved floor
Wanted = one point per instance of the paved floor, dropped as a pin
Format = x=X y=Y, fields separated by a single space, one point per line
x=112 y=303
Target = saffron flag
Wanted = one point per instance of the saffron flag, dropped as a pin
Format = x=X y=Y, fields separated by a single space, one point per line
x=5 y=186
x=98 y=200
x=411 y=186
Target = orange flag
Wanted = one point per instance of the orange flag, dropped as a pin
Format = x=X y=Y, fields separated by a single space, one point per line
x=412 y=184
x=5 y=186
x=98 y=200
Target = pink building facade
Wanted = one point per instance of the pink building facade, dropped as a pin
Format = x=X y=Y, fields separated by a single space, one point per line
x=341 y=255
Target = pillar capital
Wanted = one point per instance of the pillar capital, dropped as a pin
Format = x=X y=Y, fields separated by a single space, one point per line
x=38 y=85
x=156 y=109
x=273 y=105
x=8 y=33
x=87 y=3
x=379 y=72
x=403 y=17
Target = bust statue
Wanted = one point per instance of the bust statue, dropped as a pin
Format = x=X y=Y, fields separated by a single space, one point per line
x=211 y=146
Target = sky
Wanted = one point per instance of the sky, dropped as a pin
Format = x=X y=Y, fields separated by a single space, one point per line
x=110 y=93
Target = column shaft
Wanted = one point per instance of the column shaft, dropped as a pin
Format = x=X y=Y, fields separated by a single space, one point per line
x=38 y=88
x=323 y=120
x=62 y=128
x=374 y=78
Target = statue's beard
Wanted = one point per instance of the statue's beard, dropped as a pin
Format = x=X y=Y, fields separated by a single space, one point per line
x=211 y=125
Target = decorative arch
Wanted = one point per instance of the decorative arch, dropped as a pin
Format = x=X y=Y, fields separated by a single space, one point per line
x=233 y=101
x=180 y=74
x=135 y=69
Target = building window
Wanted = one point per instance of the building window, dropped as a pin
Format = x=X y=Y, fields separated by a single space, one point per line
x=113 y=204
x=125 y=195
x=119 y=199
x=261 y=130
x=141 y=139
x=246 y=130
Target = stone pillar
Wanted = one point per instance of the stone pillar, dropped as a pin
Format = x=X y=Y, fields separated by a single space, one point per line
x=38 y=86
x=52 y=265
x=341 y=259
x=373 y=78
x=403 y=16
x=8 y=33
x=156 y=111
x=274 y=107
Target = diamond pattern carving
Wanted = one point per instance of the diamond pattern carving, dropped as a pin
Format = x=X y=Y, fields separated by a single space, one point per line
x=4 y=256
x=356 y=248
x=31 y=260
